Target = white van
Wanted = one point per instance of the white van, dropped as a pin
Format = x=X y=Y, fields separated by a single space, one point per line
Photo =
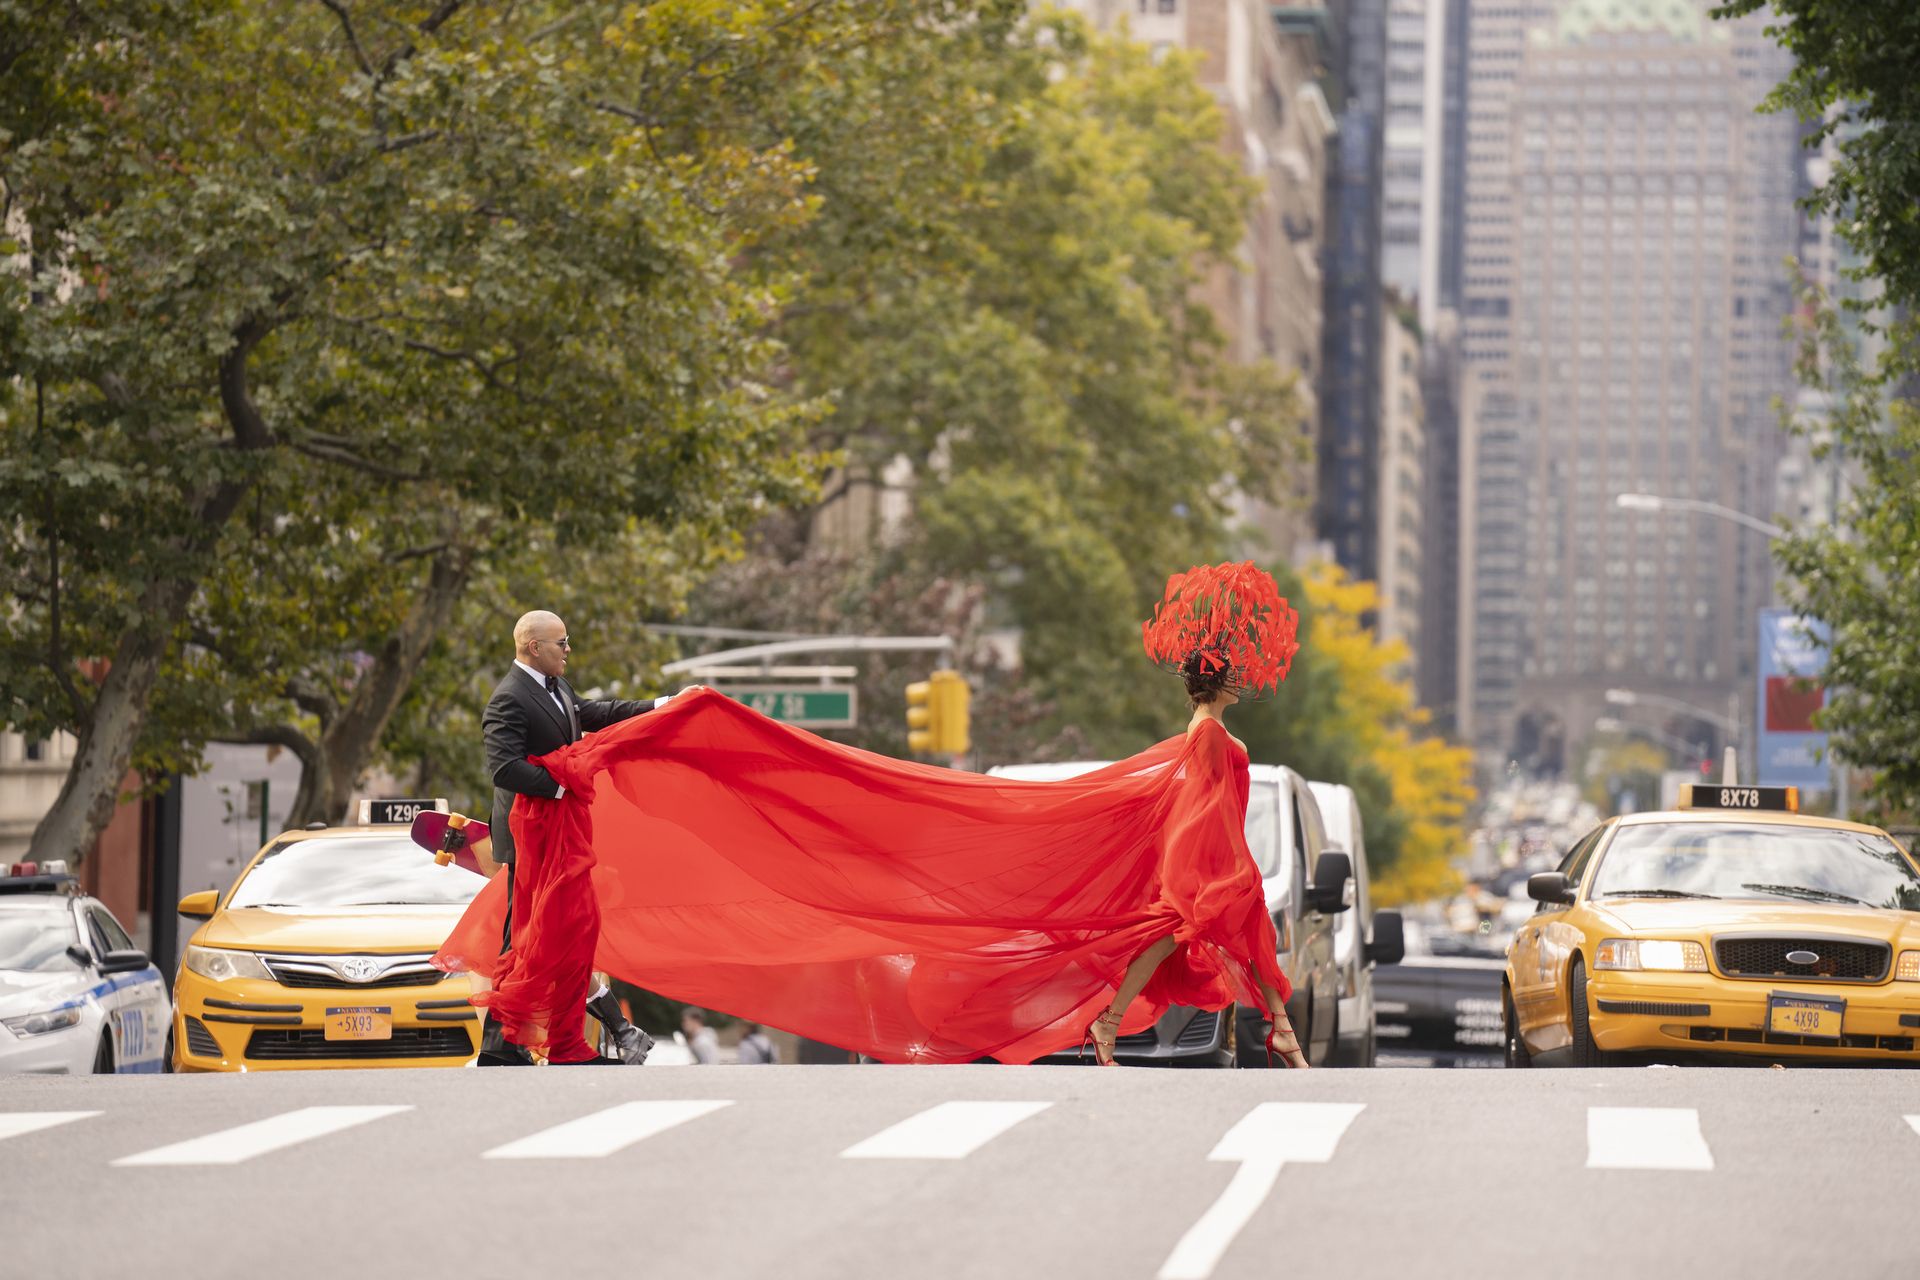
x=1355 y=947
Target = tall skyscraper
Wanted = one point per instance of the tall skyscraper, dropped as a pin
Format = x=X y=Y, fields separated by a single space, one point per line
x=1627 y=216
x=1350 y=372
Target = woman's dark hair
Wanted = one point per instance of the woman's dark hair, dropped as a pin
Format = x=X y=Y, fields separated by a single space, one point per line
x=1204 y=685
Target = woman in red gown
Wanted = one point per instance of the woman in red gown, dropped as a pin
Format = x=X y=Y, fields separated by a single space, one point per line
x=914 y=913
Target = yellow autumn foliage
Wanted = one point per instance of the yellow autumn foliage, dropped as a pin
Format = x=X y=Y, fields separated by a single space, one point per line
x=1431 y=779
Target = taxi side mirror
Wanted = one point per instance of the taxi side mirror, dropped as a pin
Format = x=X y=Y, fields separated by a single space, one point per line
x=201 y=905
x=1550 y=887
x=1389 y=945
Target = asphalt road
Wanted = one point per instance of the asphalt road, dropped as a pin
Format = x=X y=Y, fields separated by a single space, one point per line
x=982 y=1171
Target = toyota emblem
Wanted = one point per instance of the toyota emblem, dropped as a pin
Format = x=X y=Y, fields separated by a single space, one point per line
x=1802 y=957
x=359 y=969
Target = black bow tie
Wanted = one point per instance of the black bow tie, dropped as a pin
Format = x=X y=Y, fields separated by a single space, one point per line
x=553 y=685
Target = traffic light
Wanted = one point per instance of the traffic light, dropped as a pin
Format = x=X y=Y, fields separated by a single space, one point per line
x=937 y=714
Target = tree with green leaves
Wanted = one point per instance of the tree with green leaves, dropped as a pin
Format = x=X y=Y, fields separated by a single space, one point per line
x=1854 y=85
x=348 y=290
x=1020 y=334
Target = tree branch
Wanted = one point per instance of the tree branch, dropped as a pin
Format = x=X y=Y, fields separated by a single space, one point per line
x=56 y=657
x=353 y=41
x=345 y=458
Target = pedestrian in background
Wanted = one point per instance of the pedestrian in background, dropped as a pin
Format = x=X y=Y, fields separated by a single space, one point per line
x=701 y=1040
x=756 y=1049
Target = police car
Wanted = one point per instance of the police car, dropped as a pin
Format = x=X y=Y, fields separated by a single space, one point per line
x=76 y=996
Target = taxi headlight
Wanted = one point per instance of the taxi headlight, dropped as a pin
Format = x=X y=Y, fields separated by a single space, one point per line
x=38 y=1024
x=1908 y=970
x=1648 y=954
x=211 y=962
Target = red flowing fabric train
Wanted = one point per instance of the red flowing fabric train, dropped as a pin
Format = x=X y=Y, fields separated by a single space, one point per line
x=913 y=913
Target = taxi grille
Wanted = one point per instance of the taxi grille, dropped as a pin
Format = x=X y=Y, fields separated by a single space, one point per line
x=312 y=1045
x=200 y=1041
x=290 y=977
x=1200 y=1033
x=1838 y=961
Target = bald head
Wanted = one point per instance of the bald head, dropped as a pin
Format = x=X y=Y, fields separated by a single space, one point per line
x=540 y=641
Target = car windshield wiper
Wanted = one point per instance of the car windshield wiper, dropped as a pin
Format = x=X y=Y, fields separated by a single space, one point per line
x=1657 y=893
x=1805 y=891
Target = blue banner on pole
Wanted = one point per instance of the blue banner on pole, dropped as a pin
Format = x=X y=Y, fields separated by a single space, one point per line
x=1793 y=657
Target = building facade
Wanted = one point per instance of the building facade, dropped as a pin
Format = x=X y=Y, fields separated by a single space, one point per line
x=1627 y=215
x=1264 y=73
x=1402 y=502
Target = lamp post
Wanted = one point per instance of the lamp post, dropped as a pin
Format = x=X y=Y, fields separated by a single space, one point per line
x=1657 y=502
x=1634 y=698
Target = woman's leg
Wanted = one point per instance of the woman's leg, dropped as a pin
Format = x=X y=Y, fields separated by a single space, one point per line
x=1107 y=1026
x=1284 y=1042
x=1135 y=980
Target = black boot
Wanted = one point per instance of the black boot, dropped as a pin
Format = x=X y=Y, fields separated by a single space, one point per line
x=498 y=1051
x=633 y=1043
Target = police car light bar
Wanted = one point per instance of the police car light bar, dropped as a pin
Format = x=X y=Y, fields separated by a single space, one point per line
x=1708 y=795
x=51 y=867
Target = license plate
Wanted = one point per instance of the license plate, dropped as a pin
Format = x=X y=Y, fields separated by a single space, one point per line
x=362 y=1023
x=1817 y=1016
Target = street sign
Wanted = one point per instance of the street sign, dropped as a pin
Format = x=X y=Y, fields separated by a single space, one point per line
x=800 y=705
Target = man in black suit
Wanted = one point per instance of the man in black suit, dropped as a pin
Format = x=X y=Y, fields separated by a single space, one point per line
x=534 y=711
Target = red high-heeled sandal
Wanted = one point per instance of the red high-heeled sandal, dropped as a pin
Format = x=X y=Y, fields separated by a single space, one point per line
x=1289 y=1053
x=1102 y=1049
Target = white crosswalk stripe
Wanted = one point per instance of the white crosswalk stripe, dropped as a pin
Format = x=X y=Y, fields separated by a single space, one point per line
x=603 y=1132
x=948 y=1131
x=1646 y=1138
x=1266 y=1139
x=244 y=1142
x=15 y=1123
x=1915 y=1122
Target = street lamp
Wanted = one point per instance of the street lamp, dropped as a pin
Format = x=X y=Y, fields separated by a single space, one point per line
x=1656 y=502
x=1678 y=746
x=1633 y=698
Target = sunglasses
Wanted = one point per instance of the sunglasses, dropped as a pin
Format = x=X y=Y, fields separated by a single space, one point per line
x=563 y=642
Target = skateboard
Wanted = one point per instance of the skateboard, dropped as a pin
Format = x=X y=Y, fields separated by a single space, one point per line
x=450 y=837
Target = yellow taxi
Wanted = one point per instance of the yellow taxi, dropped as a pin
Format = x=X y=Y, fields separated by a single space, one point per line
x=1732 y=927
x=317 y=956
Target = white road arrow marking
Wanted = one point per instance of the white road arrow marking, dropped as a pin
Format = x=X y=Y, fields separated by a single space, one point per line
x=244 y=1142
x=1646 y=1138
x=1267 y=1138
x=1915 y=1122
x=949 y=1131
x=15 y=1123
x=603 y=1132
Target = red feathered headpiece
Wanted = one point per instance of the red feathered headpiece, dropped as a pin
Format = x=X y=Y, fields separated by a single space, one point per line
x=1232 y=616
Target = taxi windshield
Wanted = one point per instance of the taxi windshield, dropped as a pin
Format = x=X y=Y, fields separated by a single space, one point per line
x=354 y=871
x=1800 y=864
x=34 y=937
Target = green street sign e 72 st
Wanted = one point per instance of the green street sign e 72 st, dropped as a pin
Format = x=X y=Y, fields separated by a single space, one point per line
x=804 y=706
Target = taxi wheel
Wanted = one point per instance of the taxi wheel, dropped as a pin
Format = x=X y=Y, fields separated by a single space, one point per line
x=1510 y=1026
x=103 y=1056
x=1585 y=1054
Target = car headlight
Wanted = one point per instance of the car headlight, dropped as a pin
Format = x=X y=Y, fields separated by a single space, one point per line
x=1647 y=954
x=1908 y=970
x=211 y=962
x=38 y=1024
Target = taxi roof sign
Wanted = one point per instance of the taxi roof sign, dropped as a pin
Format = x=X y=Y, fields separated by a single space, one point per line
x=1714 y=795
x=398 y=811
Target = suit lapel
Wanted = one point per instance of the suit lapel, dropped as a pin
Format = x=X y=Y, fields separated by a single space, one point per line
x=547 y=704
x=573 y=717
